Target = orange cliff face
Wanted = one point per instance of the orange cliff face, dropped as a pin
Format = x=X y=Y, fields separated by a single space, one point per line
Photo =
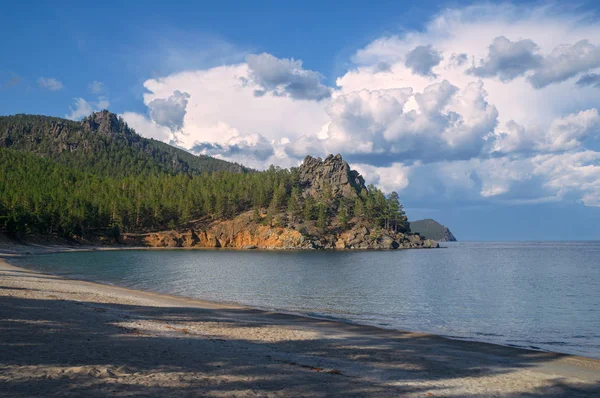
x=242 y=232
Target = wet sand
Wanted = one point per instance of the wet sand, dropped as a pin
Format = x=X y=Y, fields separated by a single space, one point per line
x=70 y=337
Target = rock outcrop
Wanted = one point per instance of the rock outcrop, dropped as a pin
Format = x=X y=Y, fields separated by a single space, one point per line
x=279 y=231
x=362 y=237
x=333 y=173
x=267 y=229
x=243 y=233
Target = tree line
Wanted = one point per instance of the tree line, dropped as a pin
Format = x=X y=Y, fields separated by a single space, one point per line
x=41 y=196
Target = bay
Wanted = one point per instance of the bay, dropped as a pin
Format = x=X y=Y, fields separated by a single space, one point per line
x=540 y=295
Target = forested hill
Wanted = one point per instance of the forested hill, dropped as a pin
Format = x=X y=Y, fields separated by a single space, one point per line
x=321 y=204
x=102 y=144
x=432 y=229
x=98 y=179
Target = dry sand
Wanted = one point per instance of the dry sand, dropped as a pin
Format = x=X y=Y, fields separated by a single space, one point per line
x=73 y=338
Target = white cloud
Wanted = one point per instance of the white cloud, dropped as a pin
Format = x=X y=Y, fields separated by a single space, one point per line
x=169 y=112
x=285 y=77
x=512 y=122
x=508 y=60
x=563 y=134
x=571 y=175
x=82 y=108
x=251 y=148
x=147 y=128
x=222 y=110
x=508 y=113
x=379 y=128
x=566 y=61
x=422 y=59
x=50 y=83
x=390 y=178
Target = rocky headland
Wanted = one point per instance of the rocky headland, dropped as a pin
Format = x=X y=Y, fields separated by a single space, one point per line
x=331 y=178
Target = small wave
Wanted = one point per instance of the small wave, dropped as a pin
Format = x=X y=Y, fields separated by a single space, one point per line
x=488 y=334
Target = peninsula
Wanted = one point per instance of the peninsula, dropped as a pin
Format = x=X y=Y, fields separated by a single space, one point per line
x=98 y=182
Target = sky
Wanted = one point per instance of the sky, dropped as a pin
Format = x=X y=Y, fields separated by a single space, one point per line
x=483 y=116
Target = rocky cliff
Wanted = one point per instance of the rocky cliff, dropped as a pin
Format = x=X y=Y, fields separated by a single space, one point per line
x=332 y=173
x=244 y=233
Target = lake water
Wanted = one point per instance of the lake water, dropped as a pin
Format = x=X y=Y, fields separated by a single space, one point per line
x=543 y=295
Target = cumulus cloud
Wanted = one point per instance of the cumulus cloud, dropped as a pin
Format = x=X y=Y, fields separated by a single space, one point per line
x=507 y=60
x=169 y=112
x=224 y=117
x=147 y=128
x=50 y=83
x=563 y=134
x=381 y=126
x=571 y=174
x=253 y=146
x=566 y=61
x=422 y=59
x=285 y=77
x=82 y=108
x=571 y=131
x=499 y=157
x=507 y=127
x=390 y=178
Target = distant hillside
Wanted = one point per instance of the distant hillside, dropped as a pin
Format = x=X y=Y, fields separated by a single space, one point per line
x=102 y=144
x=432 y=229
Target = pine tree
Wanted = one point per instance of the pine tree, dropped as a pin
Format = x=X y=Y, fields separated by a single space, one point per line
x=322 y=216
x=396 y=213
x=309 y=208
x=256 y=215
x=343 y=217
x=293 y=206
x=359 y=209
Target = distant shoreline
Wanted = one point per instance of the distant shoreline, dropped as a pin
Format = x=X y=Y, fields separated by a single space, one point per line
x=11 y=247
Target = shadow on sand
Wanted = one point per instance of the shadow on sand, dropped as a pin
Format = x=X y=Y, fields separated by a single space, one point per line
x=80 y=348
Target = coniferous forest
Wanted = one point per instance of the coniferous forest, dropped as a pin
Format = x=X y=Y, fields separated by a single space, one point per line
x=59 y=178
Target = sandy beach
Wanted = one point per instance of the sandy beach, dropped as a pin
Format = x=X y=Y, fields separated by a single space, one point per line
x=74 y=338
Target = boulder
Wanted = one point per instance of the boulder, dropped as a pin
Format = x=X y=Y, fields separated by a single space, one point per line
x=387 y=242
x=430 y=244
x=340 y=244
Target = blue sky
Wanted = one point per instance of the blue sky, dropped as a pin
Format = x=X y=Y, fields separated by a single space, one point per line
x=125 y=43
x=483 y=116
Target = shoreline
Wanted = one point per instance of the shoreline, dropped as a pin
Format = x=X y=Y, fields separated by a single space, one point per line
x=319 y=352
x=56 y=249
x=50 y=245
x=257 y=308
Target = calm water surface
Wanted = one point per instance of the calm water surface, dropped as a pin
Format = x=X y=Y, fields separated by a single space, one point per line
x=536 y=295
